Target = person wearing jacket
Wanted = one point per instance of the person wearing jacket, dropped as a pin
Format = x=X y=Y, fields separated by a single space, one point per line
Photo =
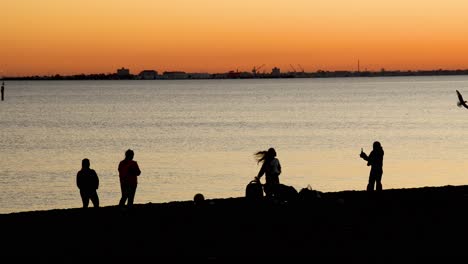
x=271 y=168
x=128 y=173
x=375 y=160
x=88 y=183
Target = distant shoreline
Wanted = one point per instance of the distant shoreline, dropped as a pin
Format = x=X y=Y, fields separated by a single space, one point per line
x=244 y=75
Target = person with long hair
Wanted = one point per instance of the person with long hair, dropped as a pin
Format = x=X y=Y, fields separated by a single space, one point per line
x=375 y=160
x=271 y=168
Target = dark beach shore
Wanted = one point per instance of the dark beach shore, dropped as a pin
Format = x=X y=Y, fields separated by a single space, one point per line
x=429 y=221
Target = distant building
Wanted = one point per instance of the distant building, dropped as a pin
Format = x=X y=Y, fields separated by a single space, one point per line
x=233 y=74
x=275 y=72
x=174 y=75
x=219 y=75
x=199 y=75
x=245 y=75
x=123 y=72
x=148 y=75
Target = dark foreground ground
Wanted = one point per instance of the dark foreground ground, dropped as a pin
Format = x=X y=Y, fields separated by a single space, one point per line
x=431 y=221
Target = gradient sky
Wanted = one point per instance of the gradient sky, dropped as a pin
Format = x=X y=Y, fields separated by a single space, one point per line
x=99 y=36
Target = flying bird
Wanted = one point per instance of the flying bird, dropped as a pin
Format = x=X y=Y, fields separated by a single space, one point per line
x=461 y=101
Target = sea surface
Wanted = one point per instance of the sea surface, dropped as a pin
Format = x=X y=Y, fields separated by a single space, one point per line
x=199 y=136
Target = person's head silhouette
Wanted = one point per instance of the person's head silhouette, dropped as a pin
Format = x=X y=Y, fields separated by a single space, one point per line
x=85 y=163
x=376 y=145
x=271 y=152
x=265 y=155
x=129 y=154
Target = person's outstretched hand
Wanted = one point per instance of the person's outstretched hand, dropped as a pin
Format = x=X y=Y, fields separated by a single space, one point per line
x=362 y=155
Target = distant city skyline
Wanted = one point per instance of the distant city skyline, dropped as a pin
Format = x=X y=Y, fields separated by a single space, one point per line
x=293 y=69
x=73 y=37
x=125 y=74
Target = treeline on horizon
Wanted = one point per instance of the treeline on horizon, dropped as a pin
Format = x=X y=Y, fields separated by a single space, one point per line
x=247 y=75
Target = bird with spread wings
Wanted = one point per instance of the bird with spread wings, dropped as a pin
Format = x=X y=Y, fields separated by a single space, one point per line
x=461 y=101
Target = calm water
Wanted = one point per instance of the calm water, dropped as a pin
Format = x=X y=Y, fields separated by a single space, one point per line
x=200 y=136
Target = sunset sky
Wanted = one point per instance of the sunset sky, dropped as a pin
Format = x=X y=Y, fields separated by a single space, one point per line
x=98 y=36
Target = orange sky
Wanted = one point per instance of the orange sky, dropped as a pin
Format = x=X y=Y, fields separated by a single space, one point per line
x=90 y=36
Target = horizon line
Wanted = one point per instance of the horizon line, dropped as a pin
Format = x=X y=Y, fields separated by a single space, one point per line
x=232 y=71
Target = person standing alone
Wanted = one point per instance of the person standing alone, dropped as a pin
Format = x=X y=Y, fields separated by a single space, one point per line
x=88 y=183
x=271 y=167
x=3 y=91
x=375 y=160
x=128 y=173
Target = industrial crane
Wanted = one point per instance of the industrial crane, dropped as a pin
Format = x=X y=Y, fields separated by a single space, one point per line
x=257 y=68
x=294 y=69
x=302 y=69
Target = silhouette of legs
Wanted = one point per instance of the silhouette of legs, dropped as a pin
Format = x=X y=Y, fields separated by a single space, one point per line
x=375 y=180
x=128 y=193
x=131 y=195
x=124 y=198
x=378 y=180
x=94 y=198
x=271 y=185
x=84 y=198
x=371 y=184
x=87 y=195
x=379 y=186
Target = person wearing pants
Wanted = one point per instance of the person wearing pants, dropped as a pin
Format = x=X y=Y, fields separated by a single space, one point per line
x=88 y=183
x=128 y=173
x=375 y=160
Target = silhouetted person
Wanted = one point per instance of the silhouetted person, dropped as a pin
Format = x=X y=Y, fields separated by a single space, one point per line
x=375 y=160
x=88 y=183
x=128 y=173
x=3 y=91
x=271 y=167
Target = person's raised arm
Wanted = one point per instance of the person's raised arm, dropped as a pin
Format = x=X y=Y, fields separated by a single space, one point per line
x=261 y=171
x=363 y=155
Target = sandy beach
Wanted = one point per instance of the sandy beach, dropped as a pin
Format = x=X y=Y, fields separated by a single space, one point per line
x=398 y=222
